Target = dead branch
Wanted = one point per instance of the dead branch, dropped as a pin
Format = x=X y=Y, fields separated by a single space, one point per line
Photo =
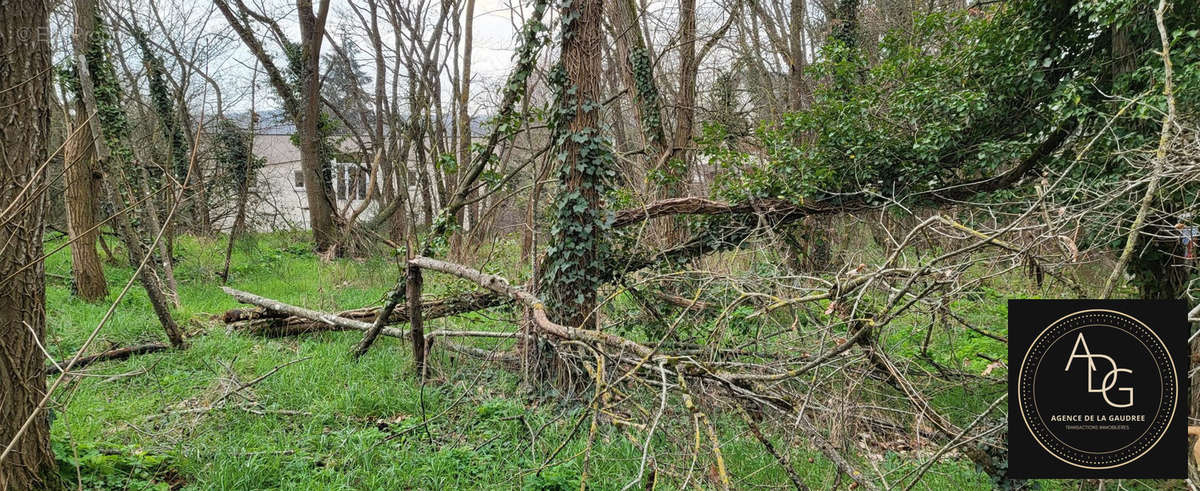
x=1160 y=157
x=272 y=323
x=501 y=286
x=683 y=302
x=110 y=355
x=695 y=205
x=283 y=324
x=314 y=315
x=254 y=382
x=782 y=459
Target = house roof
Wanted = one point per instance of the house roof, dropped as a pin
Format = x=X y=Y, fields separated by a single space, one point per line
x=276 y=122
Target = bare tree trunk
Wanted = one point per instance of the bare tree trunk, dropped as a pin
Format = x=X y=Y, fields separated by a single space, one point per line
x=24 y=131
x=402 y=217
x=394 y=184
x=758 y=75
x=415 y=321
x=321 y=206
x=676 y=169
x=1124 y=51
x=797 y=94
x=620 y=138
x=416 y=135
x=530 y=233
x=471 y=213
x=423 y=182
x=541 y=169
x=168 y=268
x=83 y=197
x=685 y=104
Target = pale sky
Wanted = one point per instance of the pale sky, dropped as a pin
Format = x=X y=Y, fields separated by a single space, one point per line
x=491 y=58
x=491 y=61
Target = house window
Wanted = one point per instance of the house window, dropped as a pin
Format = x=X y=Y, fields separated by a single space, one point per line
x=350 y=182
x=341 y=182
x=358 y=183
x=298 y=178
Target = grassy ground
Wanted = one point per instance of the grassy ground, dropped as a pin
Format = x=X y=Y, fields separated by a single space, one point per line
x=327 y=422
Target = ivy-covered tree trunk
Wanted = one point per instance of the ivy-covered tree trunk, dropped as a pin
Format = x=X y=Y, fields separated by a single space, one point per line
x=846 y=22
x=638 y=73
x=172 y=126
x=100 y=92
x=574 y=261
x=237 y=150
x=24 y=131
x=666 y=165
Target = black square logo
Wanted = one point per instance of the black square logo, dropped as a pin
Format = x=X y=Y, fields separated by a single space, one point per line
x=1097 y=389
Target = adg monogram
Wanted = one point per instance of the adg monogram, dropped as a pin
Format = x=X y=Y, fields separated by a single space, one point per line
x=1097 y=388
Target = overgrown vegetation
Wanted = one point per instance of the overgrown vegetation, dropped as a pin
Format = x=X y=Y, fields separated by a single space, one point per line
x=144 y=423
x=698 y=244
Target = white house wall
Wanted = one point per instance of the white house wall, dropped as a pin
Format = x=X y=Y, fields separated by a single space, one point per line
x=277 y=202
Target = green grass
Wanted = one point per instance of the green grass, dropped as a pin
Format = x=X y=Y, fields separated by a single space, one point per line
x=357 y=425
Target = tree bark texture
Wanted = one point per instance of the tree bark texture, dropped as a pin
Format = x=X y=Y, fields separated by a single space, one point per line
x=321 y=207
x=83 y=197
x=25 y=73
x=415 y=322
x=572 y=268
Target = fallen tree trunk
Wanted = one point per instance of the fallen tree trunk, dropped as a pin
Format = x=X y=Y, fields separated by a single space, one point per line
x=323 y=318
x=277 y=306
x=294 y=326
x=695 y=205
x=112 y=354
x=324 y=321
x=748 y=215
x=267 y=320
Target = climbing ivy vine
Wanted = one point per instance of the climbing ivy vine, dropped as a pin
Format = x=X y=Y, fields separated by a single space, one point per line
x=159 y=94
x=534 y=34
x=643 y=78
x=113 y=122
x=575 y=259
